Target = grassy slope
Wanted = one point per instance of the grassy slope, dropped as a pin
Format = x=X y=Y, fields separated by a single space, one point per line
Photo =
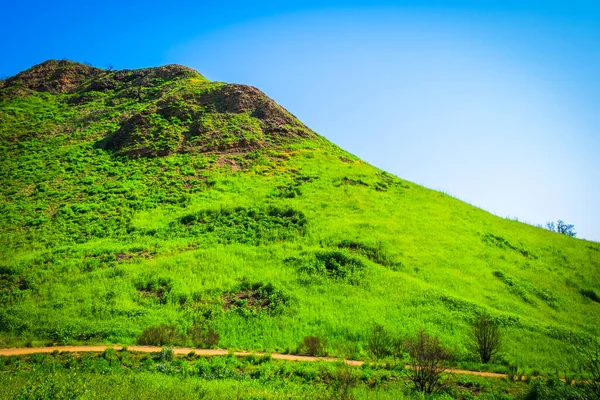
x=87 y=237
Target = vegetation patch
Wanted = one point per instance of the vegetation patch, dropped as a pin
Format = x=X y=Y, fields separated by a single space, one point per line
x=243 y=225
x=158 y=287
x=145 y=254
x=312 y=346
x=203 y=337
x=525 y=289
x=161 y=335
x=590 y=294
x=254 y=298
x=293 y=189
x=12 y=286
x=354 y=182
x=501 y=243
x=334 y=265
x=378 y=253
x=460 y=305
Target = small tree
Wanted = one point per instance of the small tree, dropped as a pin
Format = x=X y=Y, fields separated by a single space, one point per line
x=380 y=342
x=486 y=337
x=561 y=227
x=427 y=362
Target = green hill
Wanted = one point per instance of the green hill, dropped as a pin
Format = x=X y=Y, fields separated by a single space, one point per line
x=140 y=198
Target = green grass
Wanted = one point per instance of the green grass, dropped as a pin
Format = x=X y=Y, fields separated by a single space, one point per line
x=122 y=374
x=95 y=247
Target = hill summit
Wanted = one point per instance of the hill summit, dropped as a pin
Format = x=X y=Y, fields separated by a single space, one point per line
x=138 y=203
x=170 y=117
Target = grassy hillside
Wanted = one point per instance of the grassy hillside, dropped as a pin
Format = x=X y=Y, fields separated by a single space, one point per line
x=133 y=199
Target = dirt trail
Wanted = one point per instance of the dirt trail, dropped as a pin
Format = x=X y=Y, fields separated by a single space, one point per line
x=205 y=352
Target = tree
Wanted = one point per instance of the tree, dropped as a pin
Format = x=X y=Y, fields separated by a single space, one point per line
x=427 y=362
x=486 y=337
x=561 y=227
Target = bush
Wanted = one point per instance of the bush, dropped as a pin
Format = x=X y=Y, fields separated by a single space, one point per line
x=486 y=337
x=427 y=362
x=251 y=298
x=204 y=338
x=511 y=372
x=161 y=335
x=166 y=353
x=312 y=346
x=344 y=380
x=335 y=265
x=380 y=342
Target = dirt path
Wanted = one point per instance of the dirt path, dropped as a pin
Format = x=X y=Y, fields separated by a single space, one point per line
x=204 y=352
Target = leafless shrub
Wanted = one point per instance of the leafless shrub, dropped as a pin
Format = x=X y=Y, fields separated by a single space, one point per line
x=427 y=362
x=486 y=337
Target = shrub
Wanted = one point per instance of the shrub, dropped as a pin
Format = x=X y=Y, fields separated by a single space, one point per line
x=485 y=335
x=334 y=265
x=161 y=335
x=204 y=338
x=427 y=362
x=256 y=297
x=312 y=346
x=166 y=353
x=344 y=380
x=380 y=342
x=511 y=372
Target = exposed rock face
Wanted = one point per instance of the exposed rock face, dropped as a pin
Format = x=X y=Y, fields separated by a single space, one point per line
x=176 y=109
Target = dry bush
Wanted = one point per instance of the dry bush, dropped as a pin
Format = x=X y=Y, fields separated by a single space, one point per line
x=428 y=360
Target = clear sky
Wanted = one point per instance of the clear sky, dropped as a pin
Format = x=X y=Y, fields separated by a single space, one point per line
x=494 y=102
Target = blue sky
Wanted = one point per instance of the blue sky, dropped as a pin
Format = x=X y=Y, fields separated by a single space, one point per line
x=493 y=102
